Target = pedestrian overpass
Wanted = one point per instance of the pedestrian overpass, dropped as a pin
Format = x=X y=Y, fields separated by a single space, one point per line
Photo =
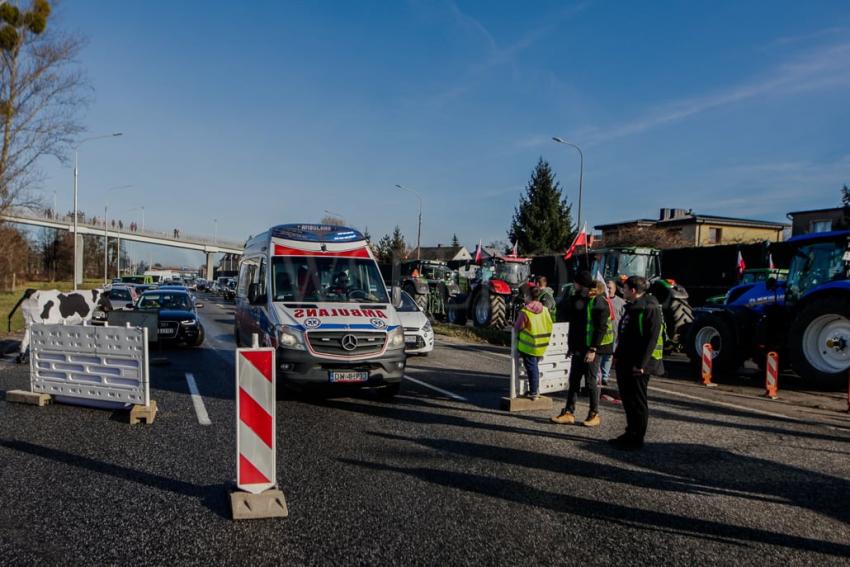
x=187 y=242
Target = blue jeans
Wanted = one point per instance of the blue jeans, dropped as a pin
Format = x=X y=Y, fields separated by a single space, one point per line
x=530 y=363
x=605 y=362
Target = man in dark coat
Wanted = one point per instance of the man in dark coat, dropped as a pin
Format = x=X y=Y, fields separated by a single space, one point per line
x=639 y=353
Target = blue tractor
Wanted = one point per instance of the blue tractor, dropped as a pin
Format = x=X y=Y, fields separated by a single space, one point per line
x=806 y=318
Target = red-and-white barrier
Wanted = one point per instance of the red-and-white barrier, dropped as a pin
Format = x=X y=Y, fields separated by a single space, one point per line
x=771 y=376
x=255 y=419
x=707 y=358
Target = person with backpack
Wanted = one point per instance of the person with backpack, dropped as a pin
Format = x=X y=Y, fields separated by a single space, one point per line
x=591 y=335
x=533 y=327
x=639 y=354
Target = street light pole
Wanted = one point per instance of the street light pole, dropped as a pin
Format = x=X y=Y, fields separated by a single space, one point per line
x=580 y=174
x=106 y=236
x=77 y=275
x=419 y=229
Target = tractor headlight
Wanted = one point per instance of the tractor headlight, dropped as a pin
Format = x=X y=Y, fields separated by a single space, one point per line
x=290 y=338
x=395 y=338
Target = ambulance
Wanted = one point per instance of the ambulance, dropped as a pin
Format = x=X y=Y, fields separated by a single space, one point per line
x=315 y=293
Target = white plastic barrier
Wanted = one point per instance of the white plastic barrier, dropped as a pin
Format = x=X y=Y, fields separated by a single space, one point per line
x=554 y=366
x=99 y=366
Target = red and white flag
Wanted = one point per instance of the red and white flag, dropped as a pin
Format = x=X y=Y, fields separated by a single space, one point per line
x=478 y=253
x=770 y=263
x=580 y=240
x=741 y=264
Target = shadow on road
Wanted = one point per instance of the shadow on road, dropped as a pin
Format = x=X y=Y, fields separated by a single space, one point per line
x=213 y=496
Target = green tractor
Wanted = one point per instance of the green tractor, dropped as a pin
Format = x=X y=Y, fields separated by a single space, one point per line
x=620 y=262
x=431 y=284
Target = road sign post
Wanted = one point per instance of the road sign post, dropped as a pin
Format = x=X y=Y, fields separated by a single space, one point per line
x=256 y=494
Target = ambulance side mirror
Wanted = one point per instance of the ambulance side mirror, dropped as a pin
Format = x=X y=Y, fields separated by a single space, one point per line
x=396 y=296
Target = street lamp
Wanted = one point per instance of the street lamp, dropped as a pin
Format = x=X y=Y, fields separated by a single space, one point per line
x=106 y=236
x=580 y=174
x=77 y=275
x=419 y=229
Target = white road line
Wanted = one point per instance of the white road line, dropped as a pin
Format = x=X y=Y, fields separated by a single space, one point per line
x=727 y=404
x=473 y=350
x=436 y=389
x=197 y=400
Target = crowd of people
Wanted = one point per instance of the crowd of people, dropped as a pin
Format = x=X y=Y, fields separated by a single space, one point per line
x=117 y=224
x=605 y=331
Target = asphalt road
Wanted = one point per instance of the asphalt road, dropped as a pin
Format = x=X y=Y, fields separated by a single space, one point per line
x=439 y=476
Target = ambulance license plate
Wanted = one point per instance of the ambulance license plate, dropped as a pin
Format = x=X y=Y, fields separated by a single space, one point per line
x=338 y=376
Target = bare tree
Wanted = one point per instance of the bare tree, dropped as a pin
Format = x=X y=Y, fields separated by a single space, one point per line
x=42 y=91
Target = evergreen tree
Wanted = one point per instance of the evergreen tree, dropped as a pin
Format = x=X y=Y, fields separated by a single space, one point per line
x=397 y=245
x=845 y=196
x=455 y=241
x=543 y=220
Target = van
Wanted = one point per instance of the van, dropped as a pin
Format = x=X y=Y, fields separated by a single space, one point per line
x=315 y=293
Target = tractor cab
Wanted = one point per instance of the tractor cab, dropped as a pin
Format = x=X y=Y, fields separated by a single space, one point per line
x=511 y=270
x=818 y=261
x=614 y=263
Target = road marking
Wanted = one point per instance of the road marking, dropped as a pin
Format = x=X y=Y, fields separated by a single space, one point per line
x=197 y=400
x=727 y=404
x=436 y=389
x=473 y=350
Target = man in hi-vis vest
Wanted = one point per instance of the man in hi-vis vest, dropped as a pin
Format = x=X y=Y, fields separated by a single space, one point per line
x=533 y=327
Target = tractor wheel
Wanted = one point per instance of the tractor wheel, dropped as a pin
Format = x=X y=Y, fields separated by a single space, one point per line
x=456 y=312
x=421 y=302
x=681 y=315
x=498 y=312
x=820 y=341
x=715 y=331
x=481 y=312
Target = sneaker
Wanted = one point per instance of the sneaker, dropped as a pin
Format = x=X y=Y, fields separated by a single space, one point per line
x=593 y=419
x=531 y=396
x=566 y=418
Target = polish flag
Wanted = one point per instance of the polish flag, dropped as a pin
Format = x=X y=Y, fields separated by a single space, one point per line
x=771 y=265
x=580 y=240
x=741 y=264
x=478 y=253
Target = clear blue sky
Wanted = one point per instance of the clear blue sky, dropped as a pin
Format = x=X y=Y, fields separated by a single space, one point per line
x=258 y=113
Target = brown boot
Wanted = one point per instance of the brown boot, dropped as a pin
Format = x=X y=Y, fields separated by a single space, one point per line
x=566 y=418
x=592 y=420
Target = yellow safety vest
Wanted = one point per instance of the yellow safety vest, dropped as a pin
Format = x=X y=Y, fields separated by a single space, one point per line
x=658 y=351
x=608 y=338
x=534 y=338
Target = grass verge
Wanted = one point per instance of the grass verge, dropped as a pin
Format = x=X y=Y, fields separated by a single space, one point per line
x=498 y=337
x=8 y=299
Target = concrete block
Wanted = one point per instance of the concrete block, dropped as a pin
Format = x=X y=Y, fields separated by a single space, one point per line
x=143 y=413
x=527 y=404
x=27 y=397
x=267 y=504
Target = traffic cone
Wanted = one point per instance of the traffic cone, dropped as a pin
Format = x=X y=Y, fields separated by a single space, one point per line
x=771 y=376
x=707 y=358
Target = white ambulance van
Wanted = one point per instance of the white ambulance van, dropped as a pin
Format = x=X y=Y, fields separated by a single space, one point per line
x=315 y=293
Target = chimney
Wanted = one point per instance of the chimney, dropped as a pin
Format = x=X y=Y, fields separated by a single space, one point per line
x=664 y=214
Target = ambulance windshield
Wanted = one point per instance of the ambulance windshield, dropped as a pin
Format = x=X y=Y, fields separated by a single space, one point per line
x=355 y=280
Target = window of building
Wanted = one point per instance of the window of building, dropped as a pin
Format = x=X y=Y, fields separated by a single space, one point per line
x=820 y=226
x=715 y=235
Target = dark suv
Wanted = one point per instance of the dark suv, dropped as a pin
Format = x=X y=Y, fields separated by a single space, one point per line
x=178 y=316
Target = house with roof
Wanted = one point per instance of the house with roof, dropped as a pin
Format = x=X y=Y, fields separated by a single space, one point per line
x=442 y=253
x=690 y=229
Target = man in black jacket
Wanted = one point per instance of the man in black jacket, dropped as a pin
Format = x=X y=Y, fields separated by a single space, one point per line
x=591 y=335
x=639 y=354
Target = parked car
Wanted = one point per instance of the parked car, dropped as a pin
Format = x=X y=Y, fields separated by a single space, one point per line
x=418 y=334
x=178 y=315
x=121 y=296
x=229 y=291
x=201 y=284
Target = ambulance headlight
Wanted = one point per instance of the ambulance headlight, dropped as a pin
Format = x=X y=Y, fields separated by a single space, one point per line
x=427 y=327
x=290 y=338
x=395 y=338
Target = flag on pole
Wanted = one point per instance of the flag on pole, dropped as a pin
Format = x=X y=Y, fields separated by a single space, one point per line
x=478 y=253
x=580 y=240
x=770 y=264
x=741 y=264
